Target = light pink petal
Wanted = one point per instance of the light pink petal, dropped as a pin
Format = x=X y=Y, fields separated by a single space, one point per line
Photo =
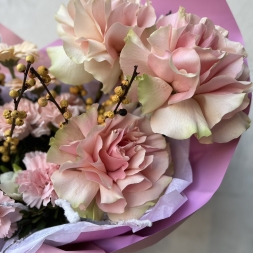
x=104 y=72
x=186 y=59
x=223 y=84
x=146 y=16
x=158 y=167
x=139 y=198
x=134 y=53
x=159 y=40
x=114 y=39
x=99 y=14
x=4 y=226
x=161 y=66
x=229 y=129
x=74 y=187
x=111 y=200
x=187 y=40
x=63 y=17
x=90 y=119
x=230 y=65
x=180 y=121
x=215 y=106
x=153 y=89
x=84 y=24
x=139 y=182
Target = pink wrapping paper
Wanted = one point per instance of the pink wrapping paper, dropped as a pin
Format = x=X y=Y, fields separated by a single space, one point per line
x=209 y=162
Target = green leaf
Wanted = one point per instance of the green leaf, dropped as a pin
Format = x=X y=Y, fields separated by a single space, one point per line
x=16 y=168
x=4 y=169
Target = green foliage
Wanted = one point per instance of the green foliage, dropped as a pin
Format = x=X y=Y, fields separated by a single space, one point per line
x=37 y=219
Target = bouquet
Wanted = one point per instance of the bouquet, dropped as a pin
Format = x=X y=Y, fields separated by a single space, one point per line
x=110 y=143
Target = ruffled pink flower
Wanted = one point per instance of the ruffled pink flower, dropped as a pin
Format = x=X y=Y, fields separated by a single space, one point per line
x=9 y=215
x=34 y=182
x=51 y=115
x=29 y=122
x=93 y=32
x=194 y=79
x=121 y=165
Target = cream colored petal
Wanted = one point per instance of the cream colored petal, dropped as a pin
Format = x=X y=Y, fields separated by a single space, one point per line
x=74 y=187
x=180 y=121
x=215 y=106
x=153 y=92
x=65 y=69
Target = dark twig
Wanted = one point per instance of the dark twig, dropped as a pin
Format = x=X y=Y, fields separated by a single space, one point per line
x=33 y=71
x=135 y=74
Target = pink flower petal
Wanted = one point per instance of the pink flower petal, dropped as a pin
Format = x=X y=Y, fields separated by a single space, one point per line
x=139 y=198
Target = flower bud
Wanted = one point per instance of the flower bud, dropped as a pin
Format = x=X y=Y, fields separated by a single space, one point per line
x=21 y=67
x=7 y=114
x=64 y=103
x=15 y=141
x=31 y=82
x=125 y=101
x=119 y=91
x=22 y=114
x=9 y=121
x=115 y=98
x=83 y=92
x=5 y=158
x=109 y=114
x=53 y=93
x=13 y=93
x=42 y=71
x=89 y=101
x=19 y=122
x=42 y=102
x=15 y=114
x=74 y=90
x=101 y=119
x=46 y=79
x=30 y=59
x=7 y=132
x=67 y=115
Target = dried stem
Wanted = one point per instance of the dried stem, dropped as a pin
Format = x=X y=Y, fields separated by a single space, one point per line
x=135 y=74
x=33 y=71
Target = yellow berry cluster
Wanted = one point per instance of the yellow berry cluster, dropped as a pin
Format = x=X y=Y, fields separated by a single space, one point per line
x=77 y=90
x=9 y=146
x=119 y=95
x=14 y=116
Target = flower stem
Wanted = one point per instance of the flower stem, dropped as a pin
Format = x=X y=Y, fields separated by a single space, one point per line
x=11 y=69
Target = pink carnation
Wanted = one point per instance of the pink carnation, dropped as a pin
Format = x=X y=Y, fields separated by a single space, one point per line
x=8 y=216
x=34 y=182
x=194 y=79
x=121 y=165
x=29 y=122
x=93 y=32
